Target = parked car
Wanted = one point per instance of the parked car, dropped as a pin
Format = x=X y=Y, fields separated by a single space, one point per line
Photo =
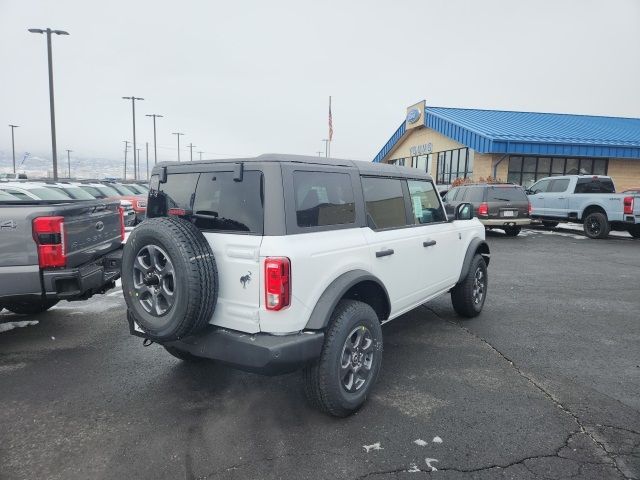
x=139 y=201
x=503 y=206
x=33 y=191
x=56 y=250
x=106 y=191
x=285 y=262
x=78 y=193
x=10 y=177
x=587 y=199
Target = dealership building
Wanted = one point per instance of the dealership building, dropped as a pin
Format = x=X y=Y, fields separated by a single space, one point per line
x=518 y=147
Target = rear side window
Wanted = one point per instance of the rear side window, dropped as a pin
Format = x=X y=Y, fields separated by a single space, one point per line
x=323 y=198
x=594 y=185
x=177 y=192
x=474 y=195
x=506 y=194
x=385 y=202
x=223 y=204
x=424 y=203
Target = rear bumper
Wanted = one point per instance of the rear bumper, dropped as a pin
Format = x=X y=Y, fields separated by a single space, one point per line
x=505 y=222
x=258 y=353
x=84 y=281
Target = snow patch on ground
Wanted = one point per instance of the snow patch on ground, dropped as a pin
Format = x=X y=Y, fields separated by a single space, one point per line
x=429 y=462
x=413 y=468
x=420 y=442
x=375 y=446
x=5 y=327
x=436 y=440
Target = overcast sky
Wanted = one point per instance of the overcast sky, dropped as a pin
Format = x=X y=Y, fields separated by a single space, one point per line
x=249 y=77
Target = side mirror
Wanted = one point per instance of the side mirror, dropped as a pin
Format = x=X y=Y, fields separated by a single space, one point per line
x=464 y=211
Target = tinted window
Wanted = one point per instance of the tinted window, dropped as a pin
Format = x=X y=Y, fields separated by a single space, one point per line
x=424 y=202
x=223 y=204
x=122 y=190
x=474 y=195
x=450 y=196
x=540 y=187
x=19 y=195
x=594 y=185
x=177 y=192
x=76 y=193
x=385 y=202
x=557 y=186
x=505 y=194
x=323 y=198
x=44 y=193
x=7 y=196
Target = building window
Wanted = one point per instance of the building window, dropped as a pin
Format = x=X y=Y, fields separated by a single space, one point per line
x=527 y=170
x=454 y=164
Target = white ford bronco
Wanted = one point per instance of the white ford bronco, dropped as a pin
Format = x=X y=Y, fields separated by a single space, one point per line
x=278 y=263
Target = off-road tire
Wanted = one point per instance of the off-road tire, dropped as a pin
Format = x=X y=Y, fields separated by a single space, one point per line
x=322 y=383
x=29 y=308
x=634 y=231
x=600 y=219
x=195 y=278
x=462 y=295
x=182 y=355
x=512 y=231
x=548 y=224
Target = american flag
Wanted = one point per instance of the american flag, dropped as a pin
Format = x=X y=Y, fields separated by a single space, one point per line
x=330 y=122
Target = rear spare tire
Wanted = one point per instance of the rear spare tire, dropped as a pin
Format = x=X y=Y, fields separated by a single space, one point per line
x=169 y=278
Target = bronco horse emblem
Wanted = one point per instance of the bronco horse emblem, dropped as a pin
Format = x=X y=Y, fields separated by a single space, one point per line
x=245 y=279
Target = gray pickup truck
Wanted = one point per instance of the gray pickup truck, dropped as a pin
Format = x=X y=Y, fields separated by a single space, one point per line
x=57 y=250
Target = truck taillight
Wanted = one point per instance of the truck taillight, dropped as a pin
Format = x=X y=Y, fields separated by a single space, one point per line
x=48 y=232
x=530 y=208
x=277 y=283
x=483 y=209
x=628 y=205
x=121 y=212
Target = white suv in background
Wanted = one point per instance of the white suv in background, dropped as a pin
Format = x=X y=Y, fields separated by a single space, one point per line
x=278 y=263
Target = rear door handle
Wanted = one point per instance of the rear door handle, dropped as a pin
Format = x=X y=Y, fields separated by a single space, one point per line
x=384 y=253
x=429 y=243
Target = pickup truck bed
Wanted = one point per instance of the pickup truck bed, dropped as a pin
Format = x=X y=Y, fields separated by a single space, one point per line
x=54 y=250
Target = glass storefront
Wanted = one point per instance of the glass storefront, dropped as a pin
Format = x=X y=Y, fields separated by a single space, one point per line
x=454 y=164
x=525 y=170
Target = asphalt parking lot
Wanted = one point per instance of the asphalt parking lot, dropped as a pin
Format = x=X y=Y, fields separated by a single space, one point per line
x=544 y=384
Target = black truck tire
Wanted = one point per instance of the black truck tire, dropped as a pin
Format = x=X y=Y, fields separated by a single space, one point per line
x=169 y=278
x=29 y=308
x=634 y=231
x=469 y=295
x=596 y=225
x=512 y=231
x=331 y=383
x=549 y=224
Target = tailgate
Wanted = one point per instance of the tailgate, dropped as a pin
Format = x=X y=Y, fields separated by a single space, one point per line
x=91 y=231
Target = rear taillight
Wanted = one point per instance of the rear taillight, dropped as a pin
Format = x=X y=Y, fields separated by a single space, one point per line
x=628 y=205
x=530 y=208
x=48 y=232
x=277 y=283
x=483 y=209
x=121 y=212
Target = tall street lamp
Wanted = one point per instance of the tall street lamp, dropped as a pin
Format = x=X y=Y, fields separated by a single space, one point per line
x=69 y=161
x=13 y=146
x=200 y=154
x=191 y=145
x=126 y=149
x=133 y=111
x=177 y=134
x=155 y=149
x=48 y=31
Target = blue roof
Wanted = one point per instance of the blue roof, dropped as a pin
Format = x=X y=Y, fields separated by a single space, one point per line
x=497 y=131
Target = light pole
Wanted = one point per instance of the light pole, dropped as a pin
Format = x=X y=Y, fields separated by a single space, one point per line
x=326 y=146
x=200 y=154
x=126 y=149
x=177 y=134
x=13 y=146
x=48 y=31
x=133 y=111
x=138 y=172
x=319 y=153
x=155 y=149
x=69 y=162
x=147 y=146
x=191 y=145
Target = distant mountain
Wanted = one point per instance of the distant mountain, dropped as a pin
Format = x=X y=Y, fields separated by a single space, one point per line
x=81 y=167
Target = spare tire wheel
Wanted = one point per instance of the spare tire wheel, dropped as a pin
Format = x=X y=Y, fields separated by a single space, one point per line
x=169 y=278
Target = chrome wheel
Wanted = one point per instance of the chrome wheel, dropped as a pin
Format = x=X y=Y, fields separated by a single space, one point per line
x=356 y=359
x=154 y=280
x=478 y=286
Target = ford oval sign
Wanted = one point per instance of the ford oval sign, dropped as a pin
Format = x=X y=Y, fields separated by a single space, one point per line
x=413 y=115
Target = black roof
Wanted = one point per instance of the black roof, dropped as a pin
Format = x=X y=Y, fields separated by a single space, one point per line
x=366 y=168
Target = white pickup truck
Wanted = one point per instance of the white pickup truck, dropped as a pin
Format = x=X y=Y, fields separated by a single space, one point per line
x=587 y=199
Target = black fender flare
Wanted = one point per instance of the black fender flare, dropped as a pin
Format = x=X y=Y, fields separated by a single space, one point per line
x=327 y=302
x=476 y=245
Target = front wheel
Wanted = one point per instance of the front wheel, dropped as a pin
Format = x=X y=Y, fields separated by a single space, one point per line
x=634 y=231
x=512 y=231
x=469 y=294
x=30 y=308
x=339 y=382
x=596 y=225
